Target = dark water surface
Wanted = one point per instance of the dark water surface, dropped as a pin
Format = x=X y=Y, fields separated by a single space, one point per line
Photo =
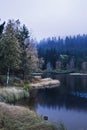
x=66 y=104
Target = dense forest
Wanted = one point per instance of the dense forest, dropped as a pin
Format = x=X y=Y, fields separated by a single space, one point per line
x=20 y=55
x=71 y=50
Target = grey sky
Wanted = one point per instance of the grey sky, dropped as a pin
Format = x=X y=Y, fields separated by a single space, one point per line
x=47 y=17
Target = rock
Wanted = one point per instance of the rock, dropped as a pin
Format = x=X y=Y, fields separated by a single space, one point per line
x=45 y=117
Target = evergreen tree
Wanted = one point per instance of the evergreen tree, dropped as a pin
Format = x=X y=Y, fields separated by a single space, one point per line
x=2 y=27
x=28 y=52
x=9 y=49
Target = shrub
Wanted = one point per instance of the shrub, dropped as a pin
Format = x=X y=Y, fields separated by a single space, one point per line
x=27 y=87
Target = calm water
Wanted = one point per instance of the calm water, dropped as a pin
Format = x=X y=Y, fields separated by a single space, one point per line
x=67 y=103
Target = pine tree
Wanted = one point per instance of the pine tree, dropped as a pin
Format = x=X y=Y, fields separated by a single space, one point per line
x=9 y=49
x=28 y=52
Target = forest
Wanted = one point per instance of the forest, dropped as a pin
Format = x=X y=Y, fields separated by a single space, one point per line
x=71 y=52
x=21 y=55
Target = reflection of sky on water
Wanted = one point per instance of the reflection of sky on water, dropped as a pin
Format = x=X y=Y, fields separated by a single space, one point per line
x=72 y=119
x=67 y=104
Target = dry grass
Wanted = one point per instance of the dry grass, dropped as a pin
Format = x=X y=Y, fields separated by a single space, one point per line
x=20 y=118
x=36 y=79
x=45 y=83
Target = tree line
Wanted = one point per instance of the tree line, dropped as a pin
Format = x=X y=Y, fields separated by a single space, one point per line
x=71 y=47
x=19 y=54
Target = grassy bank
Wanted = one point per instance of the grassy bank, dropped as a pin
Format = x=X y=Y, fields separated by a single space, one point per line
x=11 y=94
x=20 y=118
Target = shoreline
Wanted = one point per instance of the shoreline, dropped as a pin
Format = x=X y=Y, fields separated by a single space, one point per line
x=12 y=94
x=21 y=118
x=17 y=117
x=78 y=74
x=45 y=83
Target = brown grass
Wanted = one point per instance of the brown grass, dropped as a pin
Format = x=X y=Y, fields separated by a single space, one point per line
x=44 y=83
x=20 y=118
x=35 y=79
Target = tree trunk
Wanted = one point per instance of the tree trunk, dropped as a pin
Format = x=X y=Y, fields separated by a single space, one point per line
x=7 y=79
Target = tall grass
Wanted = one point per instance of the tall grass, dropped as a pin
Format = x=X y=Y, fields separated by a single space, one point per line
x=12 y=94
x=62 y=127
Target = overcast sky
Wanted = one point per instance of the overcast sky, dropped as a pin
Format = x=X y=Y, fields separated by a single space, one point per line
x=47 y=18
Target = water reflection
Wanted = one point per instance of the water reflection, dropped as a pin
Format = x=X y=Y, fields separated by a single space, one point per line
x=67 y=103
x=54 y=99
x=73 y=82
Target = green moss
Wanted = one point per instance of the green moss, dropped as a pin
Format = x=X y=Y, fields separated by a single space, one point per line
x=27 y=87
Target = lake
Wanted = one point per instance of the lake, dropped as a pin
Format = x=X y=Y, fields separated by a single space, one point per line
x=66 y=103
